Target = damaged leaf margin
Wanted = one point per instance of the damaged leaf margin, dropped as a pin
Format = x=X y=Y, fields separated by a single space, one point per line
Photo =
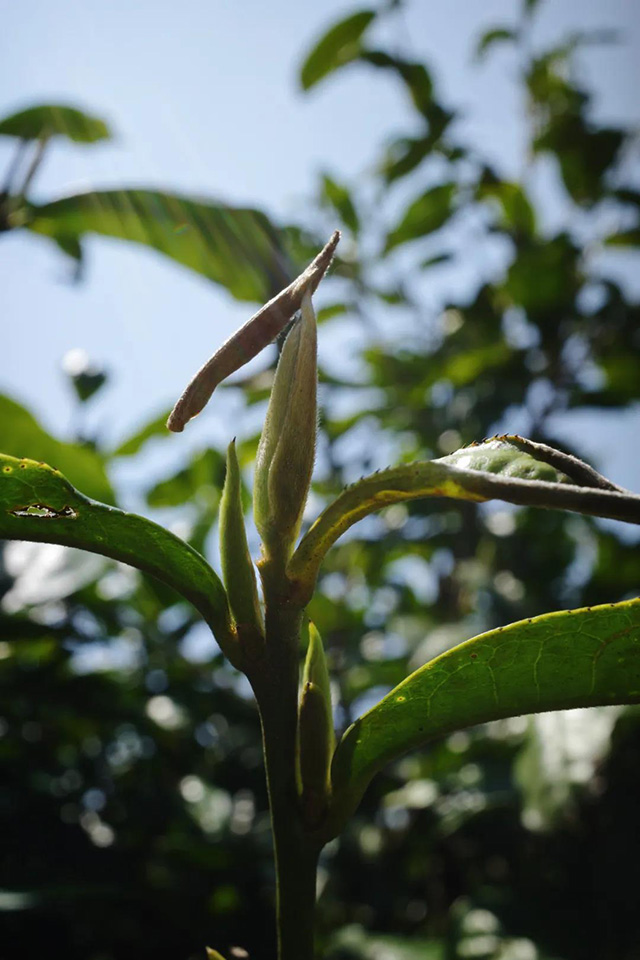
x=38 y=503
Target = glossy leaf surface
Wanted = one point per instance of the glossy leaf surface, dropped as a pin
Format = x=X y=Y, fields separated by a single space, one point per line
x=573 y=658
x=38 y=503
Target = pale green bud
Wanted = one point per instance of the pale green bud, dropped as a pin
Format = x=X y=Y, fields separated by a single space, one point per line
x=286 y=452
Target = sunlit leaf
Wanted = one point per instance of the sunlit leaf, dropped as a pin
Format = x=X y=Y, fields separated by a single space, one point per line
x=38 y=503
x=236 y=247
x=558 y=661
x=507 y=468
x=49 y=120
x=339 y=46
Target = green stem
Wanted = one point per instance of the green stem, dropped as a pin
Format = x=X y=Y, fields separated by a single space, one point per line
x=275 y=681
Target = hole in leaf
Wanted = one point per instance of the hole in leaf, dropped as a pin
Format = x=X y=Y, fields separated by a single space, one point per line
x=44 y=512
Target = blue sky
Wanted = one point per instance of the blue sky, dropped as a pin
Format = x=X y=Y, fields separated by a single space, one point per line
x=203 y=98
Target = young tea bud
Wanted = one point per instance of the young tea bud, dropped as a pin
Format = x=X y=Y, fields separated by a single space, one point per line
x=286 y=452
x=237 y=566
x=316 y=738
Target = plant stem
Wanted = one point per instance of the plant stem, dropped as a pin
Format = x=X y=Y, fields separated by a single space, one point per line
x=275 y=681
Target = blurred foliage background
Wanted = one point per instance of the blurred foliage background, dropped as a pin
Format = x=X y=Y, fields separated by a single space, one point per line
x=132 y=797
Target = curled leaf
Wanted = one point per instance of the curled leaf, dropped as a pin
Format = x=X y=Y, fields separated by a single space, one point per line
x=247 y=342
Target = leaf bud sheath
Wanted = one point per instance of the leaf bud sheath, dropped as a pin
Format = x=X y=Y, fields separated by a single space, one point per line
x=237 y=566
x=316 y=738
x=286 y=452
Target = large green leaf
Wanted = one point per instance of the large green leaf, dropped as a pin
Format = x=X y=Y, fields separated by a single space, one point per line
x=573 y=658
x=53 y=119
x=339 y=46
x=21 y=434
x=38 y=503
x=506 y=468
x=236 y=247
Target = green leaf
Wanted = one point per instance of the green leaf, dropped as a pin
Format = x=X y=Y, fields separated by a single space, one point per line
x=55 y=120
x=624 y=238
x=491 y=37
x=516 y=211
x=508 y=468
x=201 y=478
x=237 y=566
x=545 y=277
x=573 y=658
x=426 y=214
x=337 y=196
x=236 y=247
x=415 y=77
x=154 y=428
x=339 y=46
x=20 y=433
x=403 y=156
x=38 y=503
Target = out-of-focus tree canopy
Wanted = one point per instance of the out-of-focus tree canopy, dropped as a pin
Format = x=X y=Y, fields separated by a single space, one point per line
x=133 y=799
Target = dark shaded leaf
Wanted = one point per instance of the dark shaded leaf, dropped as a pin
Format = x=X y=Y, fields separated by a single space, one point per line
x=625 y=238
x=38 y=503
